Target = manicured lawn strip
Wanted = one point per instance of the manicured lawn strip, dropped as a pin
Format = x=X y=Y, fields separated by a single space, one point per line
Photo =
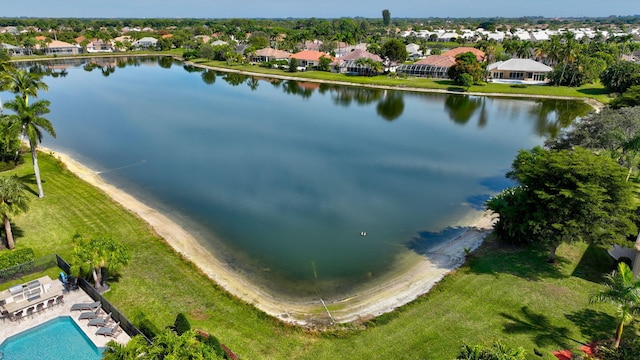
x=595 y=91
x=508 y=294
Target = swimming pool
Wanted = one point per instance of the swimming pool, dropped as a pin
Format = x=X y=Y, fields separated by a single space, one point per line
x=57 y=339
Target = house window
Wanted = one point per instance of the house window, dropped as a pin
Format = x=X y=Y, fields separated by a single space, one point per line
x=539 y=77
x=516 y=75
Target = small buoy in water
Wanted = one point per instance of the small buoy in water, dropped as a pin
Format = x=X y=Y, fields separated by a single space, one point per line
x=363 y=233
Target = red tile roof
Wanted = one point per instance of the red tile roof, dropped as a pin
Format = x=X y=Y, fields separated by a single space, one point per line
x=309 y=55
x=438 y=60
x=463 y=49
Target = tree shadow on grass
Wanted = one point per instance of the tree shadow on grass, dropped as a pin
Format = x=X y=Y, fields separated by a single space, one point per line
x=595 y=325
x=526 y=262
x=538 y=326
x=594 y=264
x=30 y=184
x=142 y=322
x=592 y=91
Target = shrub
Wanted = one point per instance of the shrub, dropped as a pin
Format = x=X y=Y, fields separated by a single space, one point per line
x=16 y=257
x=629 y=349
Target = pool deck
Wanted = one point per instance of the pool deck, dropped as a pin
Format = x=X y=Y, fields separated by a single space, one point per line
x=10 y=328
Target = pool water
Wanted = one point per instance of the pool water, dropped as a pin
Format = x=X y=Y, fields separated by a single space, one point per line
x=57 y=339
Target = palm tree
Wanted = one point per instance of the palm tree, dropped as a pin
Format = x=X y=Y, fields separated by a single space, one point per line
x=624 y=291
x=13 y=201
x=25 y=83
x=32 y=123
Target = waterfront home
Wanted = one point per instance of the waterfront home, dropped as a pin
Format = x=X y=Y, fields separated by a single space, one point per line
x=270 y=54
x=347 y=63
x=12 y=49
x=524 y=71
x=433 y=66
x=146 y=42
x=57 y=47
x=309 y=58
x=480 y=55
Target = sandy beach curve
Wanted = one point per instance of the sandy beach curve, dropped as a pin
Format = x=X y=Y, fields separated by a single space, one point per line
x=395 y=289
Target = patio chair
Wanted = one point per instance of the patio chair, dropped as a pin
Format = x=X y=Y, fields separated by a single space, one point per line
x=109 y=331
x=59 y=299
x=18 y=315
x=4 y=315
x=100 y=321
x=86 y=306
x=40 y=307
x=30 y=311
x=89 y=314
x=50 y=303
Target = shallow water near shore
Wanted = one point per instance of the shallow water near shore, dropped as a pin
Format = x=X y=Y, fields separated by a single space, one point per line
x=279 y=178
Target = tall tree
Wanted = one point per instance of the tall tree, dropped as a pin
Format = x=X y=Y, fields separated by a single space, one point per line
x=386 y=17
x=623 y=291
x=13 y=201
x=565 y=196
x=32 y=124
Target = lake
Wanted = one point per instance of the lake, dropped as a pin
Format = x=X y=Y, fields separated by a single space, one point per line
x=281 y=179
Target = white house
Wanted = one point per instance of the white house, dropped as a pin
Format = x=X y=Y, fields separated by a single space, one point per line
x=146 y=43
x=520 y=71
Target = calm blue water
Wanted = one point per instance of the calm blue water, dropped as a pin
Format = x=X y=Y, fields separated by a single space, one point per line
x=57 y=339
x=280 y=178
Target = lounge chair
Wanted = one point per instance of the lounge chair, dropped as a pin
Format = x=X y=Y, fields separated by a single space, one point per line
x=108 y=331
x=89 y=314
x=85 y=306
x=100 y=322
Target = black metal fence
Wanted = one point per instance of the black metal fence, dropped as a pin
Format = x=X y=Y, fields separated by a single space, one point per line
x=30 y=267
x=116 y=315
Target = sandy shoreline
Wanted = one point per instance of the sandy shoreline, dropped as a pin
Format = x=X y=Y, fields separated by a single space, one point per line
x=396 y=289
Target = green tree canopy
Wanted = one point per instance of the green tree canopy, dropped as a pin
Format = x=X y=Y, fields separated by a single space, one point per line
x=565 y=196
x=631 y=97
x=98 y=256
x=395 y=50
x=386 y=17
x=466 y=63
x=620 y=76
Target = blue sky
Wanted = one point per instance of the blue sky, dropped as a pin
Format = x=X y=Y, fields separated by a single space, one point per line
x=319 y=8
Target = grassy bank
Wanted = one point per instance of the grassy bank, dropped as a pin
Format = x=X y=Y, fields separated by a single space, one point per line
x=509 y=294
x=592 y=91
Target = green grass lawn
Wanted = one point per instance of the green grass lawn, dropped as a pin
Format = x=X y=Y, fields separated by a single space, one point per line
x=507 y=294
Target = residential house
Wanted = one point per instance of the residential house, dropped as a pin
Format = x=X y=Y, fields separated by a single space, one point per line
x=270 y=54
x=57 y=47
x=433 y=66
x=12 y=50
x=524 y=71
x=347 y=64
x=309 y=58
x=146 y=42
x=480 y=55
x=96 y=46
x=219 y=43
x=414 y=51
